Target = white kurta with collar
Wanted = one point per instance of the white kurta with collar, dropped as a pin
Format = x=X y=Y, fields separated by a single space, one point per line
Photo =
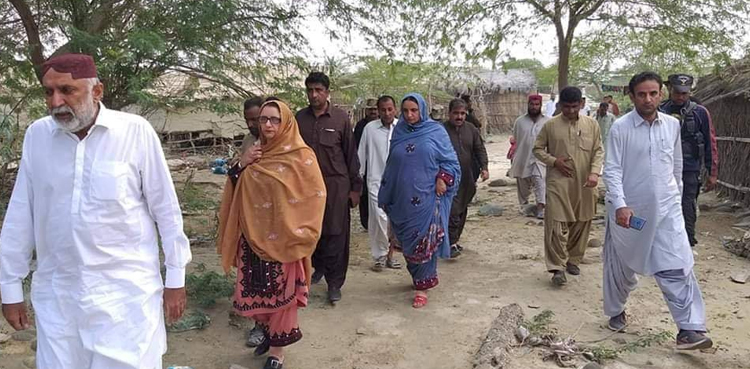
x=643 y=171
x=89 y=208
x=373 y=154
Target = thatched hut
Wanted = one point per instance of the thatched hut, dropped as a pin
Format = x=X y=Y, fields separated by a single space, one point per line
x=498 y=97
x=726 y=94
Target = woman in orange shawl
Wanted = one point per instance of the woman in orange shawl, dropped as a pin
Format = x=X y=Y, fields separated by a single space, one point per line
x=269 y=223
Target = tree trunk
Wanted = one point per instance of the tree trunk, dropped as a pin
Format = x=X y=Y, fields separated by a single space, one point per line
x=36 y=49
x=563 y=65
x=564 y=45
x=495 y=351
x=563 y=55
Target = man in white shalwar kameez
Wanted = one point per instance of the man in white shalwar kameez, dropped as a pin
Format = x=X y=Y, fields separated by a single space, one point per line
x=92 y=185
x=529 y=172
x=643 y=174
x=373 y=154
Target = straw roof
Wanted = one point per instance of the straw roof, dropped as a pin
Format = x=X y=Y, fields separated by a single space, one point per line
x=732 y=82
x=495 y=81
x=726 y=94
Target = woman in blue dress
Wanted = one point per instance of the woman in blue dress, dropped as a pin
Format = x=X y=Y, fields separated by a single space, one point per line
x=420 y=179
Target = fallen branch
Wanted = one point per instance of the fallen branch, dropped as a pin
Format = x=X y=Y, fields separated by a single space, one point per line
x=494 y=353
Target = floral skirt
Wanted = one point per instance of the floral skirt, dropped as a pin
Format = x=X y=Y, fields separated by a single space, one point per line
x=270 y=293
x=423 y=270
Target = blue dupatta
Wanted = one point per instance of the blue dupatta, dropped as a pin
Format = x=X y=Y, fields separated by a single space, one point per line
x=418 y=155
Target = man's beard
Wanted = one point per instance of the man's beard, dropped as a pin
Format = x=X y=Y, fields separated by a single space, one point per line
x=79 y=120
x=534 y=113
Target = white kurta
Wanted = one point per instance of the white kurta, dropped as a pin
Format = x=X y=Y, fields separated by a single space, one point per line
x=549 y=108
x=643 y=171
x=525 y=131
x=89 y=209
x=373 y=154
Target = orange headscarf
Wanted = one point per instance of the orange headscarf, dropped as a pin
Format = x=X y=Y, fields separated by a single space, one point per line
x=278 y=202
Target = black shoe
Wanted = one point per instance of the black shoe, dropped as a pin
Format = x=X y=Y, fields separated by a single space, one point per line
x=316 y=277
x=559 y=279
x=263 y=347
x=618 y=323
x=334 y=295
x=273 y=363
x=455 y=252
x=460 y=248
x=693 y=340
x=255 y=337
x=572 y=269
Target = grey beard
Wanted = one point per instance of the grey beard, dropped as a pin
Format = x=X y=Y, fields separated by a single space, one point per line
x=80 y=120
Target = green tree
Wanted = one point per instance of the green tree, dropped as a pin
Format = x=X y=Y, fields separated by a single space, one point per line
x=377 y=76
x=529 y=64
x=477 y=29
x=658 y=50
x=170 y=54
x=545 y=76
x=233 y=44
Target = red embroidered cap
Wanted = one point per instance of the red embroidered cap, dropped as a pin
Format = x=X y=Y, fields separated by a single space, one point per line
x=535 y=97
x=78 y=65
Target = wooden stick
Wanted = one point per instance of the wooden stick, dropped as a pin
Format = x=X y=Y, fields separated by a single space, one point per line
x=734 y=187
x=733 y=139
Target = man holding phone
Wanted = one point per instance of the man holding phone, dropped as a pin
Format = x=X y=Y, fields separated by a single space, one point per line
x=645 y=228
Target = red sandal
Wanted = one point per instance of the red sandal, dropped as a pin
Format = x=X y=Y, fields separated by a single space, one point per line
x=419 y=301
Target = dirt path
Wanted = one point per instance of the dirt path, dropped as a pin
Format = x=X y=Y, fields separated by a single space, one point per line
x=375 y=327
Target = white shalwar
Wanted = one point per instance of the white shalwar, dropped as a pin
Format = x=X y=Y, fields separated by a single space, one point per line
x=89 y=209
x=373 y=154
x=643 y=171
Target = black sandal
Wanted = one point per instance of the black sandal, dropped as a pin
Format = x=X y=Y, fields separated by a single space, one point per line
x=263 y=347
x=273 y=363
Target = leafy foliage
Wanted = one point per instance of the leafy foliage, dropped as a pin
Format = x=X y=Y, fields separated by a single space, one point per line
x=193 y=320
x=206 y=288
x=545 y=76
x=193 y=198
x=378 y=76
x=156 y=53
x=478 y=30
x=602 y=353
x=539 y=324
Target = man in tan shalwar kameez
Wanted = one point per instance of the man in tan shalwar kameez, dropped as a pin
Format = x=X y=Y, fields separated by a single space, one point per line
x=571 y=146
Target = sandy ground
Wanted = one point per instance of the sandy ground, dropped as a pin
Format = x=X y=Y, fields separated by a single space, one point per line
x=374 y=326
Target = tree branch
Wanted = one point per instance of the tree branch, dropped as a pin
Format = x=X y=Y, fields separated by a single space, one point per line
x=198 y=73
x=36 y=49
x=104 y=15
x=541 y=9
x=592 y=10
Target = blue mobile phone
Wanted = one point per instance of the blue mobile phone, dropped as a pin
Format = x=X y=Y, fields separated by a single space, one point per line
x=637 y=223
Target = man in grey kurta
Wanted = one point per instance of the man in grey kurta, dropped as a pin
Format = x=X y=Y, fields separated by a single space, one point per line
x=643 y=174
x=470 y=150
x=528 y=171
